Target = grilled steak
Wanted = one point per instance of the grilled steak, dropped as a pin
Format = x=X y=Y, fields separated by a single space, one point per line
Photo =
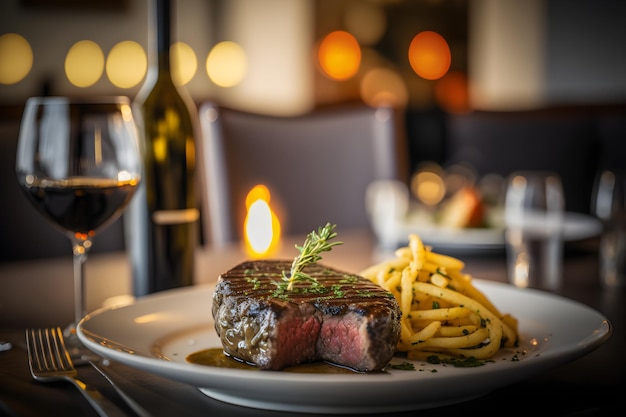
x=345 y=319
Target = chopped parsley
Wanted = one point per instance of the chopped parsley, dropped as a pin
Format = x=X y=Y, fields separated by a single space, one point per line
x=470 y=362
x=403 y=366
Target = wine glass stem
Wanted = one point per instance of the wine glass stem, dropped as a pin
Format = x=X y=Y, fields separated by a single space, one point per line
x=80 y=256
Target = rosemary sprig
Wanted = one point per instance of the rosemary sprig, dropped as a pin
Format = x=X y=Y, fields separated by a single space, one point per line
x=314 y=244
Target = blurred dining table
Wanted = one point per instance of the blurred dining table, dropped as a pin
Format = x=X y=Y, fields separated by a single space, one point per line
x=38 y=293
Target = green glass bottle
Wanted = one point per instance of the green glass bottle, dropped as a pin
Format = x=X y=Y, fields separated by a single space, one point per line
x=161 y=225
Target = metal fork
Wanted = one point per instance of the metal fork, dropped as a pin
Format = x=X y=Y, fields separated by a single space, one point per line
x=49 y=360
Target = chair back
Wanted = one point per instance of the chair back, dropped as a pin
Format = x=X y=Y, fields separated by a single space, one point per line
x=316 y=166
x=551 y=139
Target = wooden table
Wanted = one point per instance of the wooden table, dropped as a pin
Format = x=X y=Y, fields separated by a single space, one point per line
x=39 y=293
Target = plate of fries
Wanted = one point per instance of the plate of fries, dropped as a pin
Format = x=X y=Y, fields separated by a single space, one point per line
x=461 y=338
x=443 y=313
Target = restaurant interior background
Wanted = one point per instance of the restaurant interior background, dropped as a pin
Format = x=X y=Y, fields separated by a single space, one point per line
x=505 y=56
x=511 y=54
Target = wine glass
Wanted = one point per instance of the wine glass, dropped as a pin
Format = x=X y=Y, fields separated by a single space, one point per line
x=79 y=163
x=609 y=205
x=533 y=216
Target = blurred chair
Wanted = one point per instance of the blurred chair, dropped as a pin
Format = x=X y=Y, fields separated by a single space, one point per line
x=612 y=140
x=559 y=139
x=316 y=166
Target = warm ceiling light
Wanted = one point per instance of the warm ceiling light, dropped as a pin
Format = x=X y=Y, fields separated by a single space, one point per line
x=84 y=63
x=429 y=55
x=16 y=58
x=126 y=64
x=339 y=55
x=227 y=64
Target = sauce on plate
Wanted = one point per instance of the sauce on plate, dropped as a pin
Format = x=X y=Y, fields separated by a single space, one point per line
x=216 y=357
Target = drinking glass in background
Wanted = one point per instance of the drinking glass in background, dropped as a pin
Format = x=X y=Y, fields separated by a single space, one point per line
x=79 y=163
x=387 y=203
x=609 y=205
x=533 y=216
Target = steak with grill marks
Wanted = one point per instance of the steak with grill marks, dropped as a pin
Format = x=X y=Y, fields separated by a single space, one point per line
x=345 y=319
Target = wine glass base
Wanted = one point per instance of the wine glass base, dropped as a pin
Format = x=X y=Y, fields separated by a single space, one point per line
x=78 y=352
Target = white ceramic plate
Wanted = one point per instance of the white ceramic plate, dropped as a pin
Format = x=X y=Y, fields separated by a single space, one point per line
x=577 y=226
x=156 y=334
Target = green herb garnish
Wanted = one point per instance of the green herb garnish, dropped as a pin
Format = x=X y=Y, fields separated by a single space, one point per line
x=404 y=366
x=469 y=362
x=314 y=244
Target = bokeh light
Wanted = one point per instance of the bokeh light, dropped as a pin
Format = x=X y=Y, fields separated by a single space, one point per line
x=16 y=58
x=429 y=55
x=126 y=64
x=451 y=92
x=84 y=63
x=366 y=21
x=339 y=55
x=227 y=64
x=184 y=63
x=427 y=185
x=458 y=176
x=383 y=87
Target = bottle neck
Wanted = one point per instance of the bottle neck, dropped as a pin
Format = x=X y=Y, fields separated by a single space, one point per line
x=162 y=16
x=159 y=41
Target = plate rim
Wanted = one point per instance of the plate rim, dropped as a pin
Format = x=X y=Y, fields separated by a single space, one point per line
x=191 y=373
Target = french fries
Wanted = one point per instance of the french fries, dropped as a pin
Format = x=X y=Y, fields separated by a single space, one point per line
x=442 y=312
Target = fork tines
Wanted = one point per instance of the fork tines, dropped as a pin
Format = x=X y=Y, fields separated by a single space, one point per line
x=40 y=341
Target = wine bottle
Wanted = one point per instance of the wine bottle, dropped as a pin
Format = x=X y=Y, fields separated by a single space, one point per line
x=161 y=224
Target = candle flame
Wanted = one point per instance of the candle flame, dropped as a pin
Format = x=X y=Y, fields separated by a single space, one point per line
x=261 y=226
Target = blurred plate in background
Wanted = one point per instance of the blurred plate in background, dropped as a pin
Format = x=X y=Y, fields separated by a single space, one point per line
x=577 y=227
